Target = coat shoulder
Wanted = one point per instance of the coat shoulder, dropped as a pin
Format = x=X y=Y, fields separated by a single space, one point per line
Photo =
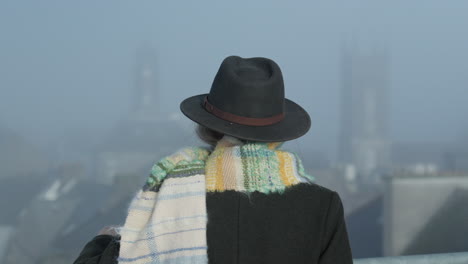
x=310 y=191
x=314 y=197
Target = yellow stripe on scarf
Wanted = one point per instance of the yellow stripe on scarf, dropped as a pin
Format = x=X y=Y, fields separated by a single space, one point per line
x=286 y=168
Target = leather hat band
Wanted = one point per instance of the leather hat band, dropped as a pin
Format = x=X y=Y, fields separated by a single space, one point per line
x=249 y=121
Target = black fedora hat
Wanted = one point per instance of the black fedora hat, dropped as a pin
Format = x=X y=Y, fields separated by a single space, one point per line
x=247 y=101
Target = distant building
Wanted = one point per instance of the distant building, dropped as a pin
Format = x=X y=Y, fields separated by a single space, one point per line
x=425 y=214
x=146 y=134
x=409 y=154
x=441 y=156
x=146 y=102
x=364 y=141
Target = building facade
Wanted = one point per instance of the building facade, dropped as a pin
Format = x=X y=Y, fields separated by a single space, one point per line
x=425 y=214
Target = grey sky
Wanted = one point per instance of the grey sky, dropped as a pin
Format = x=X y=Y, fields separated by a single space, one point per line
x=68 y=65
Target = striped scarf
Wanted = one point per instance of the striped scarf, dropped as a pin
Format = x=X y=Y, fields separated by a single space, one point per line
x=167 y=218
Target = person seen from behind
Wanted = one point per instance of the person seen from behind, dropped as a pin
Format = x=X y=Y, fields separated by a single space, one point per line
x=241 y=199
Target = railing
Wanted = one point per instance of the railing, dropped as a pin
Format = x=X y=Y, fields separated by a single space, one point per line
x=449 y=258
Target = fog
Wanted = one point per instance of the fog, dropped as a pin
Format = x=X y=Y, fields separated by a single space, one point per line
x=68 y=69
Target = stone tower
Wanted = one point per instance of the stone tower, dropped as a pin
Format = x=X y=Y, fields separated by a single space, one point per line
x=364 y=140
x=145 y=105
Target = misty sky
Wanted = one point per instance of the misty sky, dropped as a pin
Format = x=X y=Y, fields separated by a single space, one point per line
x=67 y=67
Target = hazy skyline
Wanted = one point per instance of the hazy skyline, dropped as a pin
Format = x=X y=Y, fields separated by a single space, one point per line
x=69 y=67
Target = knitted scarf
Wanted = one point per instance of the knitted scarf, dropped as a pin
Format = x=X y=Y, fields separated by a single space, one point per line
x=167 y=218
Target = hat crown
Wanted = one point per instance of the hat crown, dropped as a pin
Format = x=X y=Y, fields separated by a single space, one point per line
x=248 y=87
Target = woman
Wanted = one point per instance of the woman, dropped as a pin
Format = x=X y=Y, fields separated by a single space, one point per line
x=242 y=200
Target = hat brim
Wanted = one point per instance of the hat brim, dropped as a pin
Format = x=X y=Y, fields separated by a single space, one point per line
x=295 y=123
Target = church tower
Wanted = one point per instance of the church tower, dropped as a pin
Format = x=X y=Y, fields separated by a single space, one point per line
x=364 y=140
x=145 y=105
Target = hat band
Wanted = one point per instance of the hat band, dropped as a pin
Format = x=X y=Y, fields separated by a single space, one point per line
x=249 y=121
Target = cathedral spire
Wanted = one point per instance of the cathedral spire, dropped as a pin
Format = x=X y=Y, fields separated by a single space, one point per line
x=145 y=107
x=364 y=141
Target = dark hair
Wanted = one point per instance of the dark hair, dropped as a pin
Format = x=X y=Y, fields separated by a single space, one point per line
x=207 y=135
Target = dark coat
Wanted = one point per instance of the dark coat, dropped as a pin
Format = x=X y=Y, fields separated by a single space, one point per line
x=303 y=225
